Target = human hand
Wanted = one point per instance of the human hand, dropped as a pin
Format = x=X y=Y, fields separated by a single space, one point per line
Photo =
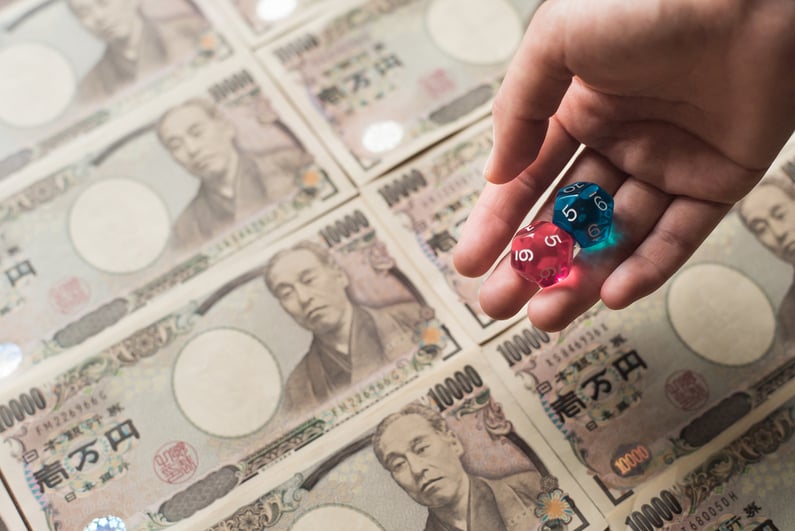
x=682 y=105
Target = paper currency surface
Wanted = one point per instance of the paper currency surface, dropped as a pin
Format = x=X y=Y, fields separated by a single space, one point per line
x=70 y=66
x=425 y=203
x=262 y=20
x=747 y=485
x=192 y=181
x=633 y=391
x=9 y=515
x=383 y=79
x=301 y=337
x=455 y=452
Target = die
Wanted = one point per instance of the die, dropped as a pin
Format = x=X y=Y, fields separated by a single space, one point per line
x=542 y=252
x=585 y=211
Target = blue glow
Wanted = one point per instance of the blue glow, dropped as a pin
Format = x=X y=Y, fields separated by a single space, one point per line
x=106 y=523
x=611 y=240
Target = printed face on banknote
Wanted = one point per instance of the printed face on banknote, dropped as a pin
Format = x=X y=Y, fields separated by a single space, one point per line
x=451 y=452
x=113 y=21
x=769 y=212
x=235 y=182
x=310 y=287
x=200 y=139
x=424 y=459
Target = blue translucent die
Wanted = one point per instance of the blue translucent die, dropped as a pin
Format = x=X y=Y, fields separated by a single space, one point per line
x=585 y=211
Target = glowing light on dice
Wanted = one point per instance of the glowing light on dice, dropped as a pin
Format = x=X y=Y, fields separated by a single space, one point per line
x=542 y=253
x=585 y=211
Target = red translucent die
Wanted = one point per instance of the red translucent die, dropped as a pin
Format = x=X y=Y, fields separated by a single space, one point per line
x=542 y=252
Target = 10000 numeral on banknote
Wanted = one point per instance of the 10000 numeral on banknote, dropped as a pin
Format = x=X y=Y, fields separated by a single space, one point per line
x=460 y=455
x=301 y=337
x=69 y=66
x=188 y=184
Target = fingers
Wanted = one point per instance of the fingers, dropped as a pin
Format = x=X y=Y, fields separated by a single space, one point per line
x=533 y=87
x=501 y=208
x=679 y=232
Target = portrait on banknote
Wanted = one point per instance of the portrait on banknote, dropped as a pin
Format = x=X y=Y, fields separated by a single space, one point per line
x=235 y=182
x=768 y=211
x=136 y=43
x=350 y=340
x=424 y=456
x=438 y=462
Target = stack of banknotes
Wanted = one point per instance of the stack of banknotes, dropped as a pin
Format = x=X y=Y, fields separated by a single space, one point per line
x=227 y=297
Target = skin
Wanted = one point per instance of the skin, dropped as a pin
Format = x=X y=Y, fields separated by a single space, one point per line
x=203 y=145
x=314 y=295
x=770 y=214
x=683 y=104
x=113 y=21
x=427 y=465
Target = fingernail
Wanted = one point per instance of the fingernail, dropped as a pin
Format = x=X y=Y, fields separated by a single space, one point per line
x=487 y=166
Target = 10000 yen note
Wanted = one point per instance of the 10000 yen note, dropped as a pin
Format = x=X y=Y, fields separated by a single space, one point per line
x=452 y=452
x=300 y=337
x=426 y=203
x=68 y=66
x=634 y=390
x=745 y=486
x=260 y=20
x=191 y=181
x=383 y=79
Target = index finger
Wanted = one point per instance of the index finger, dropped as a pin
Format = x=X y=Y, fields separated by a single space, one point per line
x=501 y=208
x=531 y=92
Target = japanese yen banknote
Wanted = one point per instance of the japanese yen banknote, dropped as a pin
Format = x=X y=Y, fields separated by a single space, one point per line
x=293 y=341
x=383 y=79
x=633 y=391
x=69 y=66
x=425 y=203
x=189 y=182
x=261 y=20
x=453 y=452
x=746 y=485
